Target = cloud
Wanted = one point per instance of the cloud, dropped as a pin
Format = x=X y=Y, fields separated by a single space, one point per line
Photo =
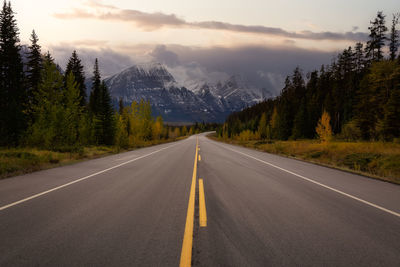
x=85 y=43
x=264 y=67
x=162 y=55
x=158 y=20
x=146 y=21
x=110 y=61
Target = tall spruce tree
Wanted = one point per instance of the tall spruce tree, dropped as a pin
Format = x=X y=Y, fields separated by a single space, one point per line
x=72 y=111
x=300 y=122
x=47 y=129
x=75 y=67
x=394 y=37
x=106 y=116
x=359 y=57
x=377 y=37
x=120 y=106
x=48 y=57
x=95 y=94
x=12 y=92
x=35 y=65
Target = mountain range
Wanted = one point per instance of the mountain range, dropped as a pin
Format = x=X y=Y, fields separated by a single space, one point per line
x=175 y=102
x=203 y=101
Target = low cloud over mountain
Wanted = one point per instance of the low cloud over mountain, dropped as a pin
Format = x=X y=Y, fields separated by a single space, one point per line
x=264 y=67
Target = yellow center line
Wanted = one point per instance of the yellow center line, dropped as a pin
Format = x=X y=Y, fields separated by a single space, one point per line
x=186 y=254
x=202 y=203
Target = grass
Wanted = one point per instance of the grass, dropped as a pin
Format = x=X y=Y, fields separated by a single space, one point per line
x=17 y=161
x=373 y=159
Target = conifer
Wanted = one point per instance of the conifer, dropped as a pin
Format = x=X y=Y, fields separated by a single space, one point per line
x=75 y=67
x=12 y=92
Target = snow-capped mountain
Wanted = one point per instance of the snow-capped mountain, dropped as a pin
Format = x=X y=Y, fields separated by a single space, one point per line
x=207 y=102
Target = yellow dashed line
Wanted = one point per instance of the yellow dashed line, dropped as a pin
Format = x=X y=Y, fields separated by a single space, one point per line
x=202 y=203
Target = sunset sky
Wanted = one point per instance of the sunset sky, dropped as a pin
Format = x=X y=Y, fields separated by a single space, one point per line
x=219 y=36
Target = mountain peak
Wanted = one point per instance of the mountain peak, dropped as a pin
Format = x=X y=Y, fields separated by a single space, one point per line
x=150 y=66
x=204 y=101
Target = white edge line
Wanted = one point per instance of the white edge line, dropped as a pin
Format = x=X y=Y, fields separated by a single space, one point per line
x=79 y=180
x=317 y=183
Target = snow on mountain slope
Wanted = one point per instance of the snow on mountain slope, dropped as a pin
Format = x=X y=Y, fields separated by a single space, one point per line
x=205 y=102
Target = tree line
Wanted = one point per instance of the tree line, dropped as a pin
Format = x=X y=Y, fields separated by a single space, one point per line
x=42 y=106
x=359 y=92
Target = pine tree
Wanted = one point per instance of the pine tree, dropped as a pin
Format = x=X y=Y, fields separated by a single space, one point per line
x=73 y=111
x=12 y=93
x=75 y=67
x=48 y=57
x=120 y=106
x=47 y=129
x=95 y=94
x=35 y=65
x=106 y=116
x=377 y=37
x=359 y=57
x=394 y=37
x=300 y=122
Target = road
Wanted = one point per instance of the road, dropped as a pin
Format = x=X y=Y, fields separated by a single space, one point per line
x=142 y=208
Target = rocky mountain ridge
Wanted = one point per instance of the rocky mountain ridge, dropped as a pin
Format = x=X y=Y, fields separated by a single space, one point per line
x=204 y=102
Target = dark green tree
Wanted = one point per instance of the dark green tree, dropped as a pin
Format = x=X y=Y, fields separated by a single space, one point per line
x=359 y=57
x=120 y=106
x=34 y=70
x=106 y=116
x=47 y=128
x=377 y=37
x=391 y=121
x=95 y=94
x=12 y=92
x=300 y=122
x=394 y=37
x=48 y=57
x=360 y=92
x=75 y=67
x=73 y=111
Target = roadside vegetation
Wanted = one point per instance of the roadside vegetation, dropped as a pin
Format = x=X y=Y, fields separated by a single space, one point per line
x=379 y=160
x=345 y=115
x=21 y=160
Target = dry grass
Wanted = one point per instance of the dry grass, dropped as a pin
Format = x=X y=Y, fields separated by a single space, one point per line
x=17 y=161
x=374 y=159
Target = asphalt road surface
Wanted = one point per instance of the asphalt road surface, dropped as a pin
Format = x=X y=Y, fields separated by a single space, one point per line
x=142 y=208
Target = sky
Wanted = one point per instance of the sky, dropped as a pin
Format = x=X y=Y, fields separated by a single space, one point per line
x=201 y=40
